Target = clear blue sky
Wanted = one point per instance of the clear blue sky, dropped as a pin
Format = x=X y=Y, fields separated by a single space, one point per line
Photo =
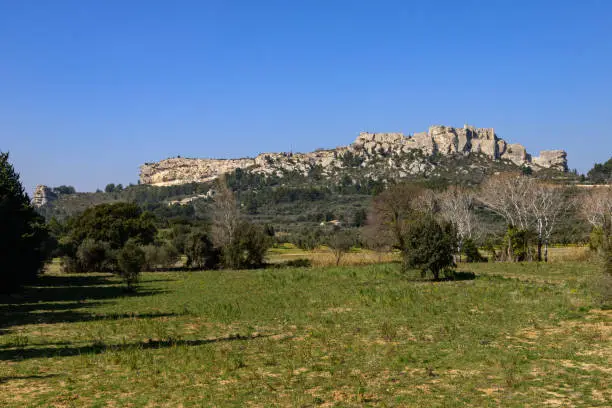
x=89 y=90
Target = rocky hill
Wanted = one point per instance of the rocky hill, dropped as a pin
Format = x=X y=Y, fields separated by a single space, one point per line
x=389 y=154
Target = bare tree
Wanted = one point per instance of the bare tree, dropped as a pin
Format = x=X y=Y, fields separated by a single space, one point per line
x=457 y=206
x=340 y=243
x=508 y=194
x=391 y=213
x=548 y=204
x=595 y=205
x=225 y=216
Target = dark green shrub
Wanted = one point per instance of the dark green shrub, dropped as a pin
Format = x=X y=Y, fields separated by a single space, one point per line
x=95 y=256
x=470 y=250
x=23 y=237
x=200 y=251
x=516 y=246
x=131 y=260
x=248 y=248
x=429 y=246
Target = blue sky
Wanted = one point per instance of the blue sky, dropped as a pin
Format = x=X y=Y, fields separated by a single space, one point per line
x=89 y=90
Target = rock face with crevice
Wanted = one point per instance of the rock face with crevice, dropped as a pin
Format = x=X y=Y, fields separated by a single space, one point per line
x=367 y=149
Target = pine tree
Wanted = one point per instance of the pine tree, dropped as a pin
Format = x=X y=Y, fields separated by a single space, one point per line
x=23 y=234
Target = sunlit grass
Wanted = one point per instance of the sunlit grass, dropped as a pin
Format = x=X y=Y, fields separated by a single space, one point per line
x=347 y=336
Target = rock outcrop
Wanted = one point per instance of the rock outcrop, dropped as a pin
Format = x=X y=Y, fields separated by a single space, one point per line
x=366 y=149
x=43 y=195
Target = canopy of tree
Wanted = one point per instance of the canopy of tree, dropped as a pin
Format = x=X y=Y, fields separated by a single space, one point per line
x=113 y=223
x=23 y=234
x=601 y=173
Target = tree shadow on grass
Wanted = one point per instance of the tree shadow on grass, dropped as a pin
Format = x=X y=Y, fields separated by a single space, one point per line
x=26 y=377
x=18 y=318
x=57 y=299
x=52 y=351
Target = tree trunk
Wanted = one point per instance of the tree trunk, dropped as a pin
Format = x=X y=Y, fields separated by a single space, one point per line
x=539 y=250
x=545 y=251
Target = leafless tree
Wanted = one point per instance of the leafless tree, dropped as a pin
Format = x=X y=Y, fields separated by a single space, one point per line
x=508 y=194
x=526 y=203
x=457 y=206
x=595 y=205
x=548 y=203
x=340 y=242
x=391 y=213
x=225 y=216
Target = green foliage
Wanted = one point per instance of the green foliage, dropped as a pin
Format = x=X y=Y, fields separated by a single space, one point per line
x=429 y=246
x=248 y=248
x=114 y=223
x=95 y=256
x=160 y=256
x=131 y=260
x=64 y=190
x=296 y=263
x=24 y=239
x=516 y=245
x=470 y=250
x=601 y=172
x=200 y=251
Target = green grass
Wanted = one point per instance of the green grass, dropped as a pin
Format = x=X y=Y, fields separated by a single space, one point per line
x=517 y=335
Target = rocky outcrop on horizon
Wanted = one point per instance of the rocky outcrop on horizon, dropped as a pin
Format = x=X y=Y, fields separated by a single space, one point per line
x=43 y=195
x=367 y=149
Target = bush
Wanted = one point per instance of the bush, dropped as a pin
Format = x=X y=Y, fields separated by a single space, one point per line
x=164 y=256
x=247 y=249
x=516 y=246
x=200 y=251
x=131 y=260
x=24 y=237
x=295 y=263
x=429 y=246
x=470 y=250
x=95 y=256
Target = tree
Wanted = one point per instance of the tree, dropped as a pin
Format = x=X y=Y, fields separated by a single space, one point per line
x=548 y=204
x=200 y=251
x=595 y=205
x=429 y=246
x=131 y=260
x=391 y=213
x=340 y=242
x=457 y=207
x=23 y=235
x=94 y=256
x=114 y=223
x=110 y=188
x=508 y=194
x=225 y=216
x=601 y=173
x=65 y=190
x=527 y=204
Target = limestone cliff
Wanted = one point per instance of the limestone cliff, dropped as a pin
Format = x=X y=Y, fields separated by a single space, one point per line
x=367 y=149
x=43 y=195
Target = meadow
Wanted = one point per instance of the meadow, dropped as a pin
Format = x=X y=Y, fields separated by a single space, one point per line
x=512 y=335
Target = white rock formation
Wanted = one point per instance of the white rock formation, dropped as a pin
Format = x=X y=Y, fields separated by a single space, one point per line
x=442 y=140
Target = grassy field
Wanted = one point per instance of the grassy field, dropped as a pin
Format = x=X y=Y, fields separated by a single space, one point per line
x=515 y=336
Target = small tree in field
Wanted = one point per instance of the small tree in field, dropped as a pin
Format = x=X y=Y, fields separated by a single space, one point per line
x=131 y=260
x=340 y=242
x=429 y=246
